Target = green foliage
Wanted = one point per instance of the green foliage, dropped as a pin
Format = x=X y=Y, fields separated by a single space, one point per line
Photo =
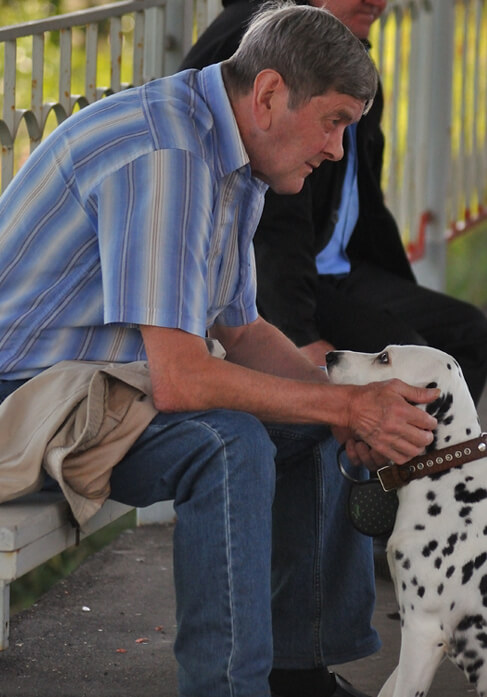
x=466 y=265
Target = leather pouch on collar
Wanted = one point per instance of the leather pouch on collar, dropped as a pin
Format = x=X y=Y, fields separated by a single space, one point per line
x=372 y=511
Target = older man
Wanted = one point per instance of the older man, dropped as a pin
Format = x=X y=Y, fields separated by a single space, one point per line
x=331 y=267
x=128 y=235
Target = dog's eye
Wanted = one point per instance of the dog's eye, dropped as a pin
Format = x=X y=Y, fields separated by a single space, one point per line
x=383 y=358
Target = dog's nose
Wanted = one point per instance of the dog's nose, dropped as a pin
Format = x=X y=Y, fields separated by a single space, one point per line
x=332 y=358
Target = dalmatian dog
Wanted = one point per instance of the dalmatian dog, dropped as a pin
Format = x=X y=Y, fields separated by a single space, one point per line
x=437 y=552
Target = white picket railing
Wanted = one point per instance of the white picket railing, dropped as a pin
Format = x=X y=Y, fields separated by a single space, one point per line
x=431 y=55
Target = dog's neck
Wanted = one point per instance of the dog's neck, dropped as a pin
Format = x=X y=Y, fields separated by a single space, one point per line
x=457 y=418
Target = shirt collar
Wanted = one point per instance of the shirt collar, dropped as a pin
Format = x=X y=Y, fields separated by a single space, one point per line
x=232 y=153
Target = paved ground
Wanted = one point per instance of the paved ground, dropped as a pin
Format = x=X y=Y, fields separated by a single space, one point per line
x=107 y=630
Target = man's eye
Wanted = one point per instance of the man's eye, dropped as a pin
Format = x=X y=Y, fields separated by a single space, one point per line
x=383 y=358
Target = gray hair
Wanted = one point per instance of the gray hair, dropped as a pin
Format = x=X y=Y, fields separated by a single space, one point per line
x=311 y=50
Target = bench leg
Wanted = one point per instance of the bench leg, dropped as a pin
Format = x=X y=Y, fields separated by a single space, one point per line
x=4 y=614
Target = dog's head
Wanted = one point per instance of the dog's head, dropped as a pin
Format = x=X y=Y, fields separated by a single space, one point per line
x=420 y=366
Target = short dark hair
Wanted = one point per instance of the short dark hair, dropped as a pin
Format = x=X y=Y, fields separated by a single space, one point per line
x=309 y=47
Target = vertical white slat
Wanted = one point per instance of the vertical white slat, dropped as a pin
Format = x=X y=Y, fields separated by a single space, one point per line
x=431 y=269
x=179 y=21
x=408 y=195
x=138 y=50
x=475 y=172
x=201 y=16
x=65 y=48
x=394 y=185
x=4 y=614
x=8 y=132
x=214 y=9
x=115 y=54
x=482 y=154
x=461 y=190
x=91 y=57
x=156 y=41
x=420 y=86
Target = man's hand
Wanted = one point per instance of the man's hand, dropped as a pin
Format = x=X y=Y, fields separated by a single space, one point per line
x=382 y=414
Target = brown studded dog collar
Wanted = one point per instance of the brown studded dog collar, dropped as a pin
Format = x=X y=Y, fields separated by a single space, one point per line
x=396 y=476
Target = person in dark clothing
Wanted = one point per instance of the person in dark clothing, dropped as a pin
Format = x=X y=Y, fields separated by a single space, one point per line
x=332 y=270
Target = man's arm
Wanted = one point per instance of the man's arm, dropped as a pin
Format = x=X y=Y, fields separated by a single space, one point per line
x=266 y=375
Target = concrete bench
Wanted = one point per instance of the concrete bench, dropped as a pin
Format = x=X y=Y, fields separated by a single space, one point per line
x=33 y=529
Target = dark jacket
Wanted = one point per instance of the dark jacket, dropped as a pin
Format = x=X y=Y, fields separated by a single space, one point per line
x=295 y=228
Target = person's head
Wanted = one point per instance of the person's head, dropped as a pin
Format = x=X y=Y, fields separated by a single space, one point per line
x=357 y=15
x=312 y=51
x=298 y=78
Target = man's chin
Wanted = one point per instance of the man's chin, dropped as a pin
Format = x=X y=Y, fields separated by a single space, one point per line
x=289 y=187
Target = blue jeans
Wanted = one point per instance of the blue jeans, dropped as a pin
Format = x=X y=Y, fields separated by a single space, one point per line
x=244 y=494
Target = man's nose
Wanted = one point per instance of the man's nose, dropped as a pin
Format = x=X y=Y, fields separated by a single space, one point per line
x=334 y=146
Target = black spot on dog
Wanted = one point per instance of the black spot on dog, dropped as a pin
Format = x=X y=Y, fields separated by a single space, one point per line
x=421 y=591
x=452 y=606
x=404 y=585
x=465 y=511
x=470 y=621
x=449 y=549
x=434 y=510
x=468 y=431
x=448 y=365
x=448 y=420
x=431 y=495
x=418 y=526
x=483 y=590
x=431 y=385
x=447 y=439
x=440 y=407
x=406 y=564
x=463 y=536
x=471 y=653
x=473 y=669
x=480 y=560
x=450 y=571
x=467 y=571
x=438 y=562
x=414 y=581
x=482 y=638
x=463 y=495
x=429 y=548
x=440 y=589
x=398 y=555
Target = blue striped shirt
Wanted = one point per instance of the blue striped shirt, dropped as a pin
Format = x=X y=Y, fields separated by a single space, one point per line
x=139 y=209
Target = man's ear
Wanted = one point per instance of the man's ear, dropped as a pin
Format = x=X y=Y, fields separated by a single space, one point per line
x=269 y=93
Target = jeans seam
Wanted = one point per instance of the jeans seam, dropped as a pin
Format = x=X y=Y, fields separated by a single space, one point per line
x=228 y=555
x=319 y=485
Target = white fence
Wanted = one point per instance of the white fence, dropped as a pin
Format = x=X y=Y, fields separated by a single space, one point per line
x=432 y=56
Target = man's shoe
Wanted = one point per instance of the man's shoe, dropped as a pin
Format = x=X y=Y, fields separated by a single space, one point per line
x=342 y=689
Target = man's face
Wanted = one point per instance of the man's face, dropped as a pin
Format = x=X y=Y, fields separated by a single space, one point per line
x=357 y=15
x=299 y=140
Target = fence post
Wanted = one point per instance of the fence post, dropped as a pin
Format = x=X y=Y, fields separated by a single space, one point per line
x=431 y=269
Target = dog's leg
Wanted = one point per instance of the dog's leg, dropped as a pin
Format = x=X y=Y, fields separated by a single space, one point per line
x=421 y=653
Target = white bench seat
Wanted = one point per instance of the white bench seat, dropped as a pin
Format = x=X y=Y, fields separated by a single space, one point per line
x=33 y=529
